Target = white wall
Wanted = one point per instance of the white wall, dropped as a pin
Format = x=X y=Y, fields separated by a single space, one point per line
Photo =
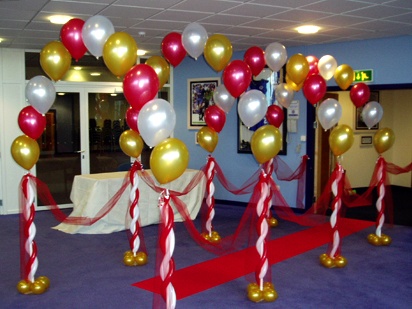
x=12 y=100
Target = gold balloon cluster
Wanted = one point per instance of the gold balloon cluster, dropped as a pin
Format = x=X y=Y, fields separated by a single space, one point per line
x=213 y=238
x=129 y=259
x=255 y=294
x=383 y=240
x=330 y=262
x=39 y=286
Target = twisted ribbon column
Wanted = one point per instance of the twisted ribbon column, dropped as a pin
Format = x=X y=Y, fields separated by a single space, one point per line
x=133 y=257
x=167 y=245
x=378 y=238
x=29 y=284
x=333 y=258
x=260 y=290
x=210 y=235
x=273 y=222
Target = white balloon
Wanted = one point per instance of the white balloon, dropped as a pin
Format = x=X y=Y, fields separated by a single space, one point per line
x=252 y=107
x=223 y=98
x=40 y=93
x=284 y=94
x=194 y=38
x=329 y=113
x=327 y=66
x=95 y=32
x=156 y=121
x=275 y=56
x=372 y=113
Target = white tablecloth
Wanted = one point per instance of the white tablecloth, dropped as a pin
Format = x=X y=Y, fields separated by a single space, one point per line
x=91 y=192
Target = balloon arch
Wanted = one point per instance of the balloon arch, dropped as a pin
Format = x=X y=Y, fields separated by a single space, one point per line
x=152 y=120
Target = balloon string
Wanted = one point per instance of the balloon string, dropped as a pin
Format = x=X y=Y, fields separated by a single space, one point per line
x=167 y=246
x=210 y=189
x=261 y=246
x=380 y=205
x=337 y=202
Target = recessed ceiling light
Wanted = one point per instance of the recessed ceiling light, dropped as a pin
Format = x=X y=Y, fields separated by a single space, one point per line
x=307 y=29
x=141 y=52
x=59 y=19
x=95 y=74
x=60 y=93
x=77 y=68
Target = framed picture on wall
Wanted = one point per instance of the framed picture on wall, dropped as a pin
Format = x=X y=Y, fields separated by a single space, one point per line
x=359 y=123
x=200 y=96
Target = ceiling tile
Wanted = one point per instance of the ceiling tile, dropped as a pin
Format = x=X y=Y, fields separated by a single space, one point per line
x=337 y=7
x=255 y=10
x=211 y=6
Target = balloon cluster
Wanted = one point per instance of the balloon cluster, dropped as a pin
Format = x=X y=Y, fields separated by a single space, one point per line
x=39 y=286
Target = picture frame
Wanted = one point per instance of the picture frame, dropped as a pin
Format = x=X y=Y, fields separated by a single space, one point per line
x=360 y=125
x=200 y=96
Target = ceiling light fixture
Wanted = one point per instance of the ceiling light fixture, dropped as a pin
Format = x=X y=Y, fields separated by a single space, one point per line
x=95 y=74
x=141 y=52
x=59 y=19
x=307 y=29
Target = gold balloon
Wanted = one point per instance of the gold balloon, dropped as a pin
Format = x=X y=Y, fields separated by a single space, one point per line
x=24 y=287
x=207 y=138
x=120 y=53
x=341 y=139
x=266 y=143
x=169 y=159
x=297 y=68
x=295 y=87
x=344 y=76
x=383 y=140
x=25 y=151
x=218 y=51
x=55 y=60
x=141 y=258
x=162 y=68
x=131 y=143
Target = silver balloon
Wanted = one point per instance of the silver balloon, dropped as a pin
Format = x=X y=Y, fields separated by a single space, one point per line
x=223 y=98
x=327 y=66
x=95 y=32
x=194 y=38
x=156 y=121
x=284 y=94
x=329 y=113
x=372 y=113
x=40 y=93
x=275 y=56
x=252 y=107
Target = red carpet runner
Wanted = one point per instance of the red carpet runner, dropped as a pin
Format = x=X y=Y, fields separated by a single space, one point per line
x=216 y=271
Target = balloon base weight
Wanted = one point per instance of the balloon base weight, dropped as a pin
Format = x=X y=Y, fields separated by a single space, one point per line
x=329 y=262
x=383 y=240
x=39 y=286
x=214 y=237
x=272 y=222
x=255 y=294
x=130 y=259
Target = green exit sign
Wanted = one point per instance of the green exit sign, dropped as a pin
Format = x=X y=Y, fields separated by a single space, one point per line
x=363 y=75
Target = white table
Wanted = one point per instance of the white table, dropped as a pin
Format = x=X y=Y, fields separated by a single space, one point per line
x=91 y=192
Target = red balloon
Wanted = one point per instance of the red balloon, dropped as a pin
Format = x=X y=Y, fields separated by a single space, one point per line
x=313 y=65
x=274 y=115
x=72 y=39
x=314 y=88
x=215 y=118
x=140 y=85
x=237 y=77
x=172 y=48
x=359 y=94
x=255 y=58
x=31 y=122
x=131 y=118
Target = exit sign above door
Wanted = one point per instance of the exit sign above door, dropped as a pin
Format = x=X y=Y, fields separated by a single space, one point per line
x=363 y=75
